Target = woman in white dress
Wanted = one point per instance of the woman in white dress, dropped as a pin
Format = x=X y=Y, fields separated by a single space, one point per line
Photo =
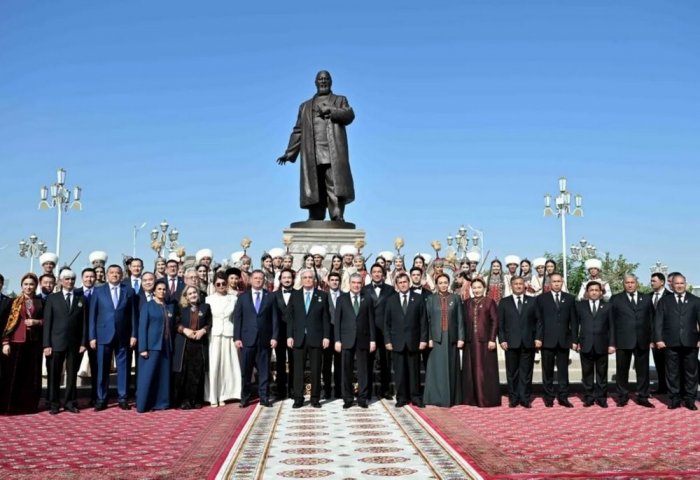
x=223 y=380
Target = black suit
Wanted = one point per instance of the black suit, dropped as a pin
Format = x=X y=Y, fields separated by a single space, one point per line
x=518 y=329
x=379 y=303
x=283 y=354
x=678 y=326
x=5 y=307
x=659 y=355
x=594 y=338
x=331 y=370
x=308 y=329
x=355 y=332
x=92 y=354
x=555 y=330
x=405 y=332
x=631 y=335
x=65 y=331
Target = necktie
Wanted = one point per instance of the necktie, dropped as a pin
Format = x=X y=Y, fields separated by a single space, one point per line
x=656 y=298
x=136 y=285
x=335 y=298
x=307 y=301
x=680 y=299
x=632 y=299
x=172 y=285
x=404 y=303
x=355 y=304
x=594 y=308
x=68 y=300
x=257 y=302
x=519 y=304
x=115 y=297
x=558 y=301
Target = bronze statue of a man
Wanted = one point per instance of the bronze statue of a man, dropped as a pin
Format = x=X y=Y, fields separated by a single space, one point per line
x=319 y=135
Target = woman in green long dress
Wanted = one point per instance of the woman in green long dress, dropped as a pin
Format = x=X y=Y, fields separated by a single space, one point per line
x=445 y=336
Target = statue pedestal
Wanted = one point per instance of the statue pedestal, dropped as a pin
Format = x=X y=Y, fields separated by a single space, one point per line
x=330 y=236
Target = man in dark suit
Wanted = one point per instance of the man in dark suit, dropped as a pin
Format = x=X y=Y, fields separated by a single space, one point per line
x=379 y=292
x=417 y=283
x=255 y=333
x=658 y=285
x=354 y=322
x=283 y=354
x=331 y=370
x=631 y=317
x=5 y=305
x=88 y=279
x=556 y=315
x=676 y=331
x=65 y=340
x=406 y=335
x=113 y=329
x=594 y=344
x=175 y=283
x=133 y=279
x=308 y=333
x=517 y=326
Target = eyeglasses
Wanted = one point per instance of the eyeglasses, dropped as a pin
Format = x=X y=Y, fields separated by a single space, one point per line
x=219 y=284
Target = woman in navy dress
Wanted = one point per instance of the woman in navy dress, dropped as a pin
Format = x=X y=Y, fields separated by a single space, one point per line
x=156 y=324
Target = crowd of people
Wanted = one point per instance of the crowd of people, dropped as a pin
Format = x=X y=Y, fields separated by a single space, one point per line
x=203 y=333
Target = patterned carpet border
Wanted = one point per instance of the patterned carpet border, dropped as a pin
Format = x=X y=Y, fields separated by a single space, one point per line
x=683 y=429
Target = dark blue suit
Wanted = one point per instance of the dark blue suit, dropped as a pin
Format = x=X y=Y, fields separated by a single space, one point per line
x=112 y=328
x=255 y=329
x=156 y=325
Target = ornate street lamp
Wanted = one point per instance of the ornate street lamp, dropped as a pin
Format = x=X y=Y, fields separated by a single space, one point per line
x=60 y=199
x=563 y=208
x=583 y=251
x=160 y=238
x=32 y=249
x=659 y=267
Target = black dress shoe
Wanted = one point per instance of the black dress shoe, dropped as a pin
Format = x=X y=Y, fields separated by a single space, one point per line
x=587 y=403
x=100 y=406
x=124 y=406
x=71 y=409
x=400 y=403
x=362 y=404
x=674 y=405
x=512 y=403
x=548 y=403
x=243 y=404
x=347 y=405
x=643 y=402
x=564 y=402
x=526 y=404
x=54 y=411
x=690 y=405
x=621 y=404
x=419 y=403
x=186 y=406
x=388 y=396
x=266 y=403
x=315 y=404
x=602 y=403
x=298 y=404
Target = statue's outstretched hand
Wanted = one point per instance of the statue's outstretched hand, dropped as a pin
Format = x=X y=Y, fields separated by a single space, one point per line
x=282 y=161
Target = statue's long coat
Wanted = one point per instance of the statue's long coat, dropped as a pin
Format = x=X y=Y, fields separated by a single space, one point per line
x=302 y=141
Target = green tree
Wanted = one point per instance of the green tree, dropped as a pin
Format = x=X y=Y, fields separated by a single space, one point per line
x=614 y=271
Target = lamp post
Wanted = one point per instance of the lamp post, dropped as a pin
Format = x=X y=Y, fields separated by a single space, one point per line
x=136 y=231
x=461 y=241
x=60 y=199
x=32 y=249
x=659 y=267
x=159 y=238
x=563 y=208
x=583 y=251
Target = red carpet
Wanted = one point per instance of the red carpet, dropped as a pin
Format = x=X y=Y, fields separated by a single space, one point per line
x=624 y=443
x=120 y=444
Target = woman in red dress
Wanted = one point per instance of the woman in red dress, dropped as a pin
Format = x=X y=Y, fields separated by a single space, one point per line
x=495 y=283
x=480 y=369
x=22 y=342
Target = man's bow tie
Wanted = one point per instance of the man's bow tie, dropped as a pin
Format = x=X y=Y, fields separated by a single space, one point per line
x=285 y=290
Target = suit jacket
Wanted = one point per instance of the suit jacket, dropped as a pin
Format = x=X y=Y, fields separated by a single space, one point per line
x=65 y=329
x=354 y=330
x=593 y=332
x=255 y=328
x=281 y=306
x=174 y=296
x=332 y=308
x=204 y=321
x=152 y=326
x=5 y=307
x=106 y=322
x=555 y=323
x=379 y=302
x=405 y=331
x=518 y=329
x=311 y=327
x=677 y=325
x=631 y=324
x=455 y=318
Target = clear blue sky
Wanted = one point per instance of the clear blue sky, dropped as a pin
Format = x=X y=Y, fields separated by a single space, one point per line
x=466 y=112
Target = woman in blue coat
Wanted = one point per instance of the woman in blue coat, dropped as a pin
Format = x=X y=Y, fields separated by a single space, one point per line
x=191 y=356
x=156 y=324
